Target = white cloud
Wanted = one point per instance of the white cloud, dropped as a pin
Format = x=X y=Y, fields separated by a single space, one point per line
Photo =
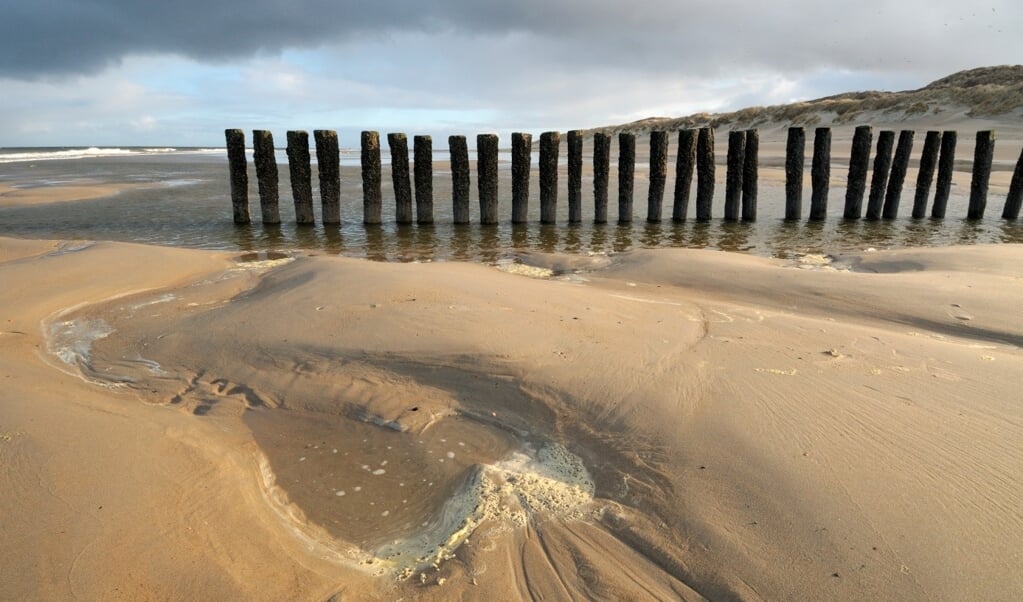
x=461 y=65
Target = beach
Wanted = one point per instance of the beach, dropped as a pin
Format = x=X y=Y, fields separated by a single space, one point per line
x=658 y=424
x=197 y=410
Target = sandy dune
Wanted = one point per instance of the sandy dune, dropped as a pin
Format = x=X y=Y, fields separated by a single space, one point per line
x=654 y=425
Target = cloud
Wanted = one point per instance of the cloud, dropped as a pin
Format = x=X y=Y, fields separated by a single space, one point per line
x=60 y=37
x=93 y=70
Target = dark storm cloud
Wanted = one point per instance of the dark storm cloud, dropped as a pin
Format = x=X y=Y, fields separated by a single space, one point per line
x=60 y=37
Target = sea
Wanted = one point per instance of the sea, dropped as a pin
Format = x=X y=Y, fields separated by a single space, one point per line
x=181 y=197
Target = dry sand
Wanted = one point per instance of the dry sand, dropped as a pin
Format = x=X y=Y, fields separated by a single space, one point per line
x=655 y=425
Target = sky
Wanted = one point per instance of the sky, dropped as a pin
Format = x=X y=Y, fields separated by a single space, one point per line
x=177 y=73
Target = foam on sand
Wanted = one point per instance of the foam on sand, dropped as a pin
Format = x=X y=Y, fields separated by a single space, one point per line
x=528 y=485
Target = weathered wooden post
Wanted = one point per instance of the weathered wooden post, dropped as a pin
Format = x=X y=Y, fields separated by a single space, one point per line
x=820 y=174
x=795 y=148
x=328 y=162
x=398 y=144
x=601 y=170
x=522 y=149
x=946 y=166
x=550 y=143
x=486 y=177
x=238 y=167
x=658 y=175
x=460 y=186
x=422 y=148
x=684 y=164
x=924 y=177
x=704 y=173
x=372 y=197
x=733 y=174
x=859 y=164
x=750 y=165
x=301 y=177
x=575 y=176
x=626 y=175
x=982 y=155
x=266 y=173
x=897 y=177
x=1015 y=197
x=879 y=179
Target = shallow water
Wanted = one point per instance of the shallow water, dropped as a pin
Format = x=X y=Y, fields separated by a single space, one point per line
x=184 y=201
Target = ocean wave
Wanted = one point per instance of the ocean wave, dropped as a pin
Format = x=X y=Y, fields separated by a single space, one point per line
x=55 y=154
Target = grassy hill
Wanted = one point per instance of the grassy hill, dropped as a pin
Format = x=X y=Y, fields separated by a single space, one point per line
x=994 y=93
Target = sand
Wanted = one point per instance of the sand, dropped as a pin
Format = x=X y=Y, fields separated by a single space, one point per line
x=11 y=196
x=657 y=424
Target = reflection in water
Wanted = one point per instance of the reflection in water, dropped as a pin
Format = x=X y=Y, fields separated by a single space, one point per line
x=425 y=242
x=573 y=239
x=734 y=236
x=273 y=237
x=968 y=233
x=489 y=247
x=650 y=235
x=598 y=238
x=520 y=236
x=332 y=240
x=548 y=240
x=699 y=235
x=461 y=242
x=198 y=215
x=306 y=237
x=244 y=240
x=1011 y=231
x=922 y=232
x=623 y=237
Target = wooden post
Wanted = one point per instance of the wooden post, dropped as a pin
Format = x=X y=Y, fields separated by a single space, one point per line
x=266 y=173
x=982 y=156
x=924 y=177
x=795 y=147
x=460 y=186
x=898 y=174
x=522 y=149
x=626 y=175
x=946 y=165
x=684 y=164
x=601 y=170
x=372 y=197
x=575 y=176
x=486 y=177
x=859 y=164
x=750 y=165
x=879 y=179
x=733 y=174
x=398 y=144
x=550 y=143
x=1015 y=197
x=704 y=173
x=328 y=161
x=301 y=177
x=820 y=174
x=238 y=167
x=658 y=175
x=422 y=148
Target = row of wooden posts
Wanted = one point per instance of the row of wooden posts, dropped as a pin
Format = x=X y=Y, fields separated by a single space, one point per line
x=695 y=151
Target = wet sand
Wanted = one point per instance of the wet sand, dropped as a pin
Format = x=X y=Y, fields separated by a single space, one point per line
x=654 y=424
x=12 y=197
